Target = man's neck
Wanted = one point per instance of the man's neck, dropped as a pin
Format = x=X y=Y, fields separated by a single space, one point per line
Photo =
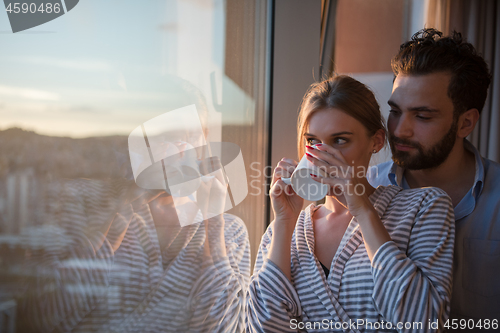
x=455 y=175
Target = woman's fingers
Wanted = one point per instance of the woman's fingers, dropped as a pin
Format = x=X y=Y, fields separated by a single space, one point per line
x=289 y=161
x=324 y=150
x=330 y=169
x=284 y=169
x=277 y=188
x=329 y=164
x=280 y=187
x=332 y=181
x=339 y=186
x=336 y=186
x=334 y=158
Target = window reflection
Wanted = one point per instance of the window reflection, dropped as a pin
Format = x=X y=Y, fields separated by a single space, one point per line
x=82 y=247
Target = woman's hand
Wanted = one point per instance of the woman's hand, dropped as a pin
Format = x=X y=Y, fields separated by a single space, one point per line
x=138 y=197
x=286 y=206
x=213 y=190
x=342 y=178
x=133 y=197
x=285 y=202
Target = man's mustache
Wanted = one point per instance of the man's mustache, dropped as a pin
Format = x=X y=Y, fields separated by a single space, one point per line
x=395 y=140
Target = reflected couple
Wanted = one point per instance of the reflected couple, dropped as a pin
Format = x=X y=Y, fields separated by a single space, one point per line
x=124 y=258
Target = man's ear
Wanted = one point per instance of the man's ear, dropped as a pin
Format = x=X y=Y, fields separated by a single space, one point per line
x=378 y=140
x=466 y=122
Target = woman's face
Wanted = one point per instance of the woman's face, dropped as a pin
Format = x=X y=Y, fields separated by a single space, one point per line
x=341 y=131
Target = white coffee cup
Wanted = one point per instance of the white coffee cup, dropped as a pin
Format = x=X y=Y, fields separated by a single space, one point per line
x=303 y=184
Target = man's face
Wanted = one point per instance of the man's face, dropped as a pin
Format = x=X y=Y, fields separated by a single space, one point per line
x=422 y=129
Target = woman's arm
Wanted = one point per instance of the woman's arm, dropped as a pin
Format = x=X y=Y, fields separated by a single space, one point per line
x=373 y=230
x=286 y=205
x=409 y=287
x=69 y=276
x=271 y=299
x=414 y=286
x=217 y=300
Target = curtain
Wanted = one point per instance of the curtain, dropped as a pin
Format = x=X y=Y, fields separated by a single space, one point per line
x=479 y=22
x=438 y=15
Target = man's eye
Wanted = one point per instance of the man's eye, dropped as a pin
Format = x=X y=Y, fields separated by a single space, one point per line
x=423 y=117
x=394 y=112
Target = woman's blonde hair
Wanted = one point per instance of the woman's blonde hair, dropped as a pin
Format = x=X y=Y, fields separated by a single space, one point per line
x=346 y=94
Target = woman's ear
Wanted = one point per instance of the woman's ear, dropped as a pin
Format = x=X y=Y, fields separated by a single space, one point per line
x=378 y=140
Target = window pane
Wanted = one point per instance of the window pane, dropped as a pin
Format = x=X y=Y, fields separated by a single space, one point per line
x=168 y=95
x=367 y=34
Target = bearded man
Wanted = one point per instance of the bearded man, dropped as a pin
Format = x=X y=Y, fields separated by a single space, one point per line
x=439 y=90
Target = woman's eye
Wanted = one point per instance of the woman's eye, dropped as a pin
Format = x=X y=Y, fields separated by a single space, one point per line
x=339 y=141
x=311 y=141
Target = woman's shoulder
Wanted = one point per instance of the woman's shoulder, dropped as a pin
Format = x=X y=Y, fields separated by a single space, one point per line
x=415 y=194
x=231 y=219
x=234 y=224
x=412 y=203
x=408 y=207
x=97 y=188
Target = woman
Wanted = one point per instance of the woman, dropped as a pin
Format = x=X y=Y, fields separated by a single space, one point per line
x=118 y=258
x=136 y=270
x=368 y=259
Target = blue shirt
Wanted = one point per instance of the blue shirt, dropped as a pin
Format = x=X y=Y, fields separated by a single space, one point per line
x=476 y=271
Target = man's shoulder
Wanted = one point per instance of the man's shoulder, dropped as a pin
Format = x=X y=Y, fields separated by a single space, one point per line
x=491 y=168
x=492 y=176
x=379 y=174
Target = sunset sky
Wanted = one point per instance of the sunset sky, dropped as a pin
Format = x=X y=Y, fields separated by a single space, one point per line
x=105 y=67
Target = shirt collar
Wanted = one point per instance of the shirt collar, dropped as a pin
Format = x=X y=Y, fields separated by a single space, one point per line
x=396 y=175
x=477 y=188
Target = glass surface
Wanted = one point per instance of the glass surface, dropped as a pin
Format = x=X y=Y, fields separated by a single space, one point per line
x=367 y=36
x=82 y=247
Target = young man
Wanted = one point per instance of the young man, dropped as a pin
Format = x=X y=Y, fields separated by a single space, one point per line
x=439 y=90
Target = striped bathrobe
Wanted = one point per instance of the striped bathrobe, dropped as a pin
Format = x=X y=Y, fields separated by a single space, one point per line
x=76 y=287
x=408 y=282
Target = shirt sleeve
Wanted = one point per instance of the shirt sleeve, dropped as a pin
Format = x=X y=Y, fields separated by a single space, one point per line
x=217 y=300
x=414 y=287
x=272 y=301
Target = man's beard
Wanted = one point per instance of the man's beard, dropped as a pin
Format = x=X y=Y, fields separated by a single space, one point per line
x=427 y=159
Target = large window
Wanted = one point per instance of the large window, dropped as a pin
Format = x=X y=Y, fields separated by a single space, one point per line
x=73 y=89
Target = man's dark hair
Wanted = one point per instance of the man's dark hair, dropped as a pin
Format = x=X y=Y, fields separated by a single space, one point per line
x=429 y=52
